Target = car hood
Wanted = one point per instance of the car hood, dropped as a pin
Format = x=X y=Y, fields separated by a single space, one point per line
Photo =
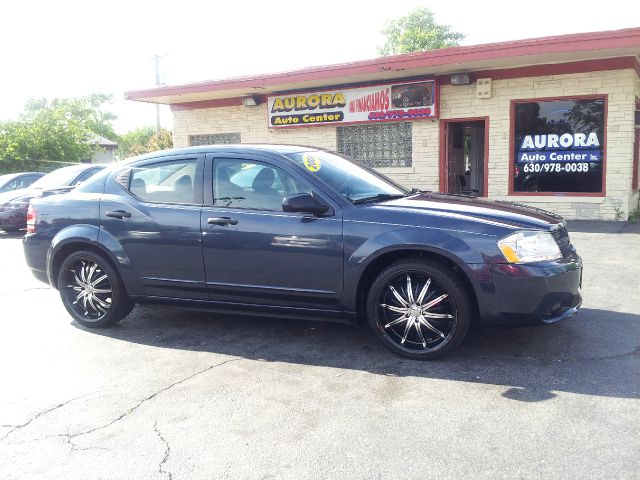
x=506 y=213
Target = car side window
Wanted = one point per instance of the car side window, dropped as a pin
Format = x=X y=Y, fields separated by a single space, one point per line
x=27 y=180
x=166 y=182
x=12 y=185
x=255 y=185
x=85 y=175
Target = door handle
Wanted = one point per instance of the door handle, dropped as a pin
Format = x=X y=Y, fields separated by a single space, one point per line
x=222 y=221
x=119 y=214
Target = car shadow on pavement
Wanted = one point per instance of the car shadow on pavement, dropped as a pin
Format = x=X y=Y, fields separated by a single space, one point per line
x=594 y=353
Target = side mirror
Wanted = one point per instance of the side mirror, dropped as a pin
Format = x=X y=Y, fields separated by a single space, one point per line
x=304 y=203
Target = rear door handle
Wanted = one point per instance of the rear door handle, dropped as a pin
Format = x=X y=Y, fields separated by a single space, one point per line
x=222 y=221
x=119 y=214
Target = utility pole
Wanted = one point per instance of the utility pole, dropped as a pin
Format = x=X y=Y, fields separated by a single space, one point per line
x=156 y=58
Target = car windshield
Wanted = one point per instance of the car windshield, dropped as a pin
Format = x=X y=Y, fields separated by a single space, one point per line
x=5 y=180
x=58 y=178
x=354 y=182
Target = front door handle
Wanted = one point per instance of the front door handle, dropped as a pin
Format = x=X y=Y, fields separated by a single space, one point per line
x=222 y=221
x=119 y=214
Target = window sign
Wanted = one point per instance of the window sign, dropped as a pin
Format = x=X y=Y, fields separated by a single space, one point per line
x=559 y=146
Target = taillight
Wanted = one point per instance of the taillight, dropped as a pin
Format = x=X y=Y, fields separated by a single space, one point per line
x=32 y=216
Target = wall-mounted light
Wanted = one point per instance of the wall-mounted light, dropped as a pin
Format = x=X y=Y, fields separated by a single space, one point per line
x=250 y=101
x=460 y=79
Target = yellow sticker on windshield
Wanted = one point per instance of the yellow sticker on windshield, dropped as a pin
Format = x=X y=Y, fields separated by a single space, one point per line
x=311 y=162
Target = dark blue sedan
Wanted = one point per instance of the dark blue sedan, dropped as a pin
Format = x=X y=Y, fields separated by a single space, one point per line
x=293 y=231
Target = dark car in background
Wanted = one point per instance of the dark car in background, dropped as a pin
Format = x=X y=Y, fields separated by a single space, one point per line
x=298 y=232
x=18 y=181
x=14 y=203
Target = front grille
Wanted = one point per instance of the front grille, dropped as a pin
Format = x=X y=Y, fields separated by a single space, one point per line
x=561 y=237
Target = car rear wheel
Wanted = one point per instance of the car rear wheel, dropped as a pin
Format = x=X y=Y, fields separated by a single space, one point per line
x=91 y=291
x=419 y=310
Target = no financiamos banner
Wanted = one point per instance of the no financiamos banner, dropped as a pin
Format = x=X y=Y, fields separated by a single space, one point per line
x=370 y=104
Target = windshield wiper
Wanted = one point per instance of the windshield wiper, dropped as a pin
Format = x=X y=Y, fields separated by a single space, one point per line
x=377 y=198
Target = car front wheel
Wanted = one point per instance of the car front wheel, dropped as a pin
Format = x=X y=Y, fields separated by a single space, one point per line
x=419 y=310
x=91 y=291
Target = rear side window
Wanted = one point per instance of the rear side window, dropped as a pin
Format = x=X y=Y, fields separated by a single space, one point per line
x=28 y=180
x=12 y=185
x=166 y=182
x=86 y=175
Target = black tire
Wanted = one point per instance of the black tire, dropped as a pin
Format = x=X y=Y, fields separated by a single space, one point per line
x=93 y=296
x=419 y=340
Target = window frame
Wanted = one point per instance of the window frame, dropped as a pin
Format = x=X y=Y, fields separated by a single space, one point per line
x=512 y=122
x=197 y=184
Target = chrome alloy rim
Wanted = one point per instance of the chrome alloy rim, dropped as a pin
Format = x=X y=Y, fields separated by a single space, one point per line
x=89 y=290
x=416 y=312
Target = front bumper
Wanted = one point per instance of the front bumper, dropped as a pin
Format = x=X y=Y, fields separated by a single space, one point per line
x=544 y=292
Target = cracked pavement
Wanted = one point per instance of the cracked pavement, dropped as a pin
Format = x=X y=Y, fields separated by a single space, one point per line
x=171 y=394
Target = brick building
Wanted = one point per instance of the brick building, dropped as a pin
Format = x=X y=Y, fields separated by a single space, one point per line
x=551 y=122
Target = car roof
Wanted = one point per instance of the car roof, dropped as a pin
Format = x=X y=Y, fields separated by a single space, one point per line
x=9 y=176
x=228 y=148
x=81 y=166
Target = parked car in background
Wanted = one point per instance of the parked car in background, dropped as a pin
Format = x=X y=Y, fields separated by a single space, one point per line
x=14 y=203
x=300 y=232
x=18 y=181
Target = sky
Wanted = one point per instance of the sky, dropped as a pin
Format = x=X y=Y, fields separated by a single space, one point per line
x=63 y=48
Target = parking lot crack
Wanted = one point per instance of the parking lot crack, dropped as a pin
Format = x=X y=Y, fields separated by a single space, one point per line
x=70 y=437
x=4 y=294
x=167 y=452
x=15 y=428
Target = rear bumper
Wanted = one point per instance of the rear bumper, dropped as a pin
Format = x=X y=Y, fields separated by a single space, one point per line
x=35 y=253
x=13 y=219
x=545 y=292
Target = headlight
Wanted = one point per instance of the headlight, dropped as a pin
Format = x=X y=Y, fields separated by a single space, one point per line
x=529 y=246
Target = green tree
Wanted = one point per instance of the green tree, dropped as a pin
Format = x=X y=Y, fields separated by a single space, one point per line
x=49 y=133
x=143 y=140
x=89 y=110
x=416 y=32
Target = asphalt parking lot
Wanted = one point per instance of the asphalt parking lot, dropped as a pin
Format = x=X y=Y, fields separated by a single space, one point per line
x=175 y=395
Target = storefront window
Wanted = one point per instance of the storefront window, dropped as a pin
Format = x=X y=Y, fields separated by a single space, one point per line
x=381 y=145
x=559 y=146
